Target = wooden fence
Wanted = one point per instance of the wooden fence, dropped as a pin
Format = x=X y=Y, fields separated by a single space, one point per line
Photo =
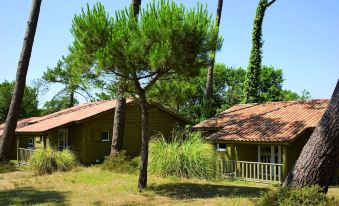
x=23 y=155
x=257 y=171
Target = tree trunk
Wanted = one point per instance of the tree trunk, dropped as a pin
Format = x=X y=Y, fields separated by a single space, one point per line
x=118 y=125
x=144 y=142
x=12 y=116
x=318 y=161
x=209 y=83
x=71 y=100
x=120 y=108
x=252 y=87
x=136 y=7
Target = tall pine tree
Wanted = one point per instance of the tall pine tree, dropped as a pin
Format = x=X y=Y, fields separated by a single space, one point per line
x=318 y=161
x=251 y=89
x=120 y=109
x=207 y=103
x=14 y=110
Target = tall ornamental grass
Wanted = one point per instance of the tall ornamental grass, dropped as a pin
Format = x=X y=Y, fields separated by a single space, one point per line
x=184 y=155
x=48 y=160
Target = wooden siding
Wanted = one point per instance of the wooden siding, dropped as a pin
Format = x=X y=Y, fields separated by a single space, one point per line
x=94 y=150
x=85 y=137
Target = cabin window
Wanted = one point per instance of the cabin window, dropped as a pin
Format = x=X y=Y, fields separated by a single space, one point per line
x=30 y=143
x=105 y=136
x=221 y=147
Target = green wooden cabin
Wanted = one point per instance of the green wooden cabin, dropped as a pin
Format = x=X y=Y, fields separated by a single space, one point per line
x=87 y=130
x=261 y=142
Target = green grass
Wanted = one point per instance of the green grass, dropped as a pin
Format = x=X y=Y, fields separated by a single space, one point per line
x=94 y=186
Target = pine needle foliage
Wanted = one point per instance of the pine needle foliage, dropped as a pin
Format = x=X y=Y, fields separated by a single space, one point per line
x=184 y=155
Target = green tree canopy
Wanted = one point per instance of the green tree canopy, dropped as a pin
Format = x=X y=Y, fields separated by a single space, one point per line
x=75 y=79
x=29 y=106
x=185 y=95
x=167 y=40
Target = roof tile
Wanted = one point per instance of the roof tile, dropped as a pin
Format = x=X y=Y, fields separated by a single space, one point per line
x=272 y=121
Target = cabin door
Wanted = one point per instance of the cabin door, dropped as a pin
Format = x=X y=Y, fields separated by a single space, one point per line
x=269 y=154
x=62 y=139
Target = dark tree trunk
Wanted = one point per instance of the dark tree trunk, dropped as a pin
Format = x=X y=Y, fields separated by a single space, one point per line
x=207 y=112
x=318 y=161
x=136 y=7
x=120 y=108
x=144 y=106
x=71 y=100
x=118 y=125
x=12 y=116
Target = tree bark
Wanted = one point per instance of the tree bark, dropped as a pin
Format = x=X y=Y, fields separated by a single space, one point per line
x=118 y=125
x=319 y=159
x=142 y=183
x=136 y=7
x=209 y=83
x=120 y=108
x=12 y=116
x=71 y=100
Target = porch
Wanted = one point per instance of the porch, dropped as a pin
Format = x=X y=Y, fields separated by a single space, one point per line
x=253 y=171
x=255 y=162
x=26 y=144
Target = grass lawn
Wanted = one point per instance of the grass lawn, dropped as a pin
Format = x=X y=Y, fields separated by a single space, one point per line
x=92 y=186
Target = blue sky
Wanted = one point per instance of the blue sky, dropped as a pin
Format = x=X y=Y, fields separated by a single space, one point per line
x=300 y=37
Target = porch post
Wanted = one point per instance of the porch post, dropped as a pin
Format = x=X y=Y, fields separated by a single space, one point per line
x=279 y=154
x=44 y=140
x=17 y=149
x=284 y=160
x=272 y=154
x=258 y=153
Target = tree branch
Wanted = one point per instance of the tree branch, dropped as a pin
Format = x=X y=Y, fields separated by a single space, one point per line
x=270 y=3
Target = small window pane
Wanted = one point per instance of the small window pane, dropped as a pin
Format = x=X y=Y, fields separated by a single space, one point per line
x=221 y=147
x=30 y=143
x=104 y=136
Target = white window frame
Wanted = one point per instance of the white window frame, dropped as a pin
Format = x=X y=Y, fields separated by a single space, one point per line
x=30 y=144
x=221 y=149
x=105 y=140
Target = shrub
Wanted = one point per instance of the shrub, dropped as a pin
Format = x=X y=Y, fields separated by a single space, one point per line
x=49 y=160
x=65 y=160
x=183 y=155
x=120 y=163
x=306 y=196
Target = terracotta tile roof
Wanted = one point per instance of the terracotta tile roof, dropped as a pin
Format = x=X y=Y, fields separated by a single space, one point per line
x=67 y=116
x=273 y=121
x=21 y=123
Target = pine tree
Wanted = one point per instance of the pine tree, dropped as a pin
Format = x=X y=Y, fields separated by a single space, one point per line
x=14 y=110
x=207 y=103
x=318 y=161
x=251 y=89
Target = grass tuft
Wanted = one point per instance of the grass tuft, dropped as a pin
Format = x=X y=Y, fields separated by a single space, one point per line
x=49 y=160
x=120 y=163
x=184 y=155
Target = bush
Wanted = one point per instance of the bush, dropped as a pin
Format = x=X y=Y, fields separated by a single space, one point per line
x=306 y=196
x=183 y=155
x=49 y=160
x=120 y=163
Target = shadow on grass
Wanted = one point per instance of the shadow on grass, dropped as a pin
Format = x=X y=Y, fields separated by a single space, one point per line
x=31 y=196
x=7 y=167
x=195 y=190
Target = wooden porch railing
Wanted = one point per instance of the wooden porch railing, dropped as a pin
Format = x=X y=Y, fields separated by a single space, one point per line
x=23 y=155
x=257 y=171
